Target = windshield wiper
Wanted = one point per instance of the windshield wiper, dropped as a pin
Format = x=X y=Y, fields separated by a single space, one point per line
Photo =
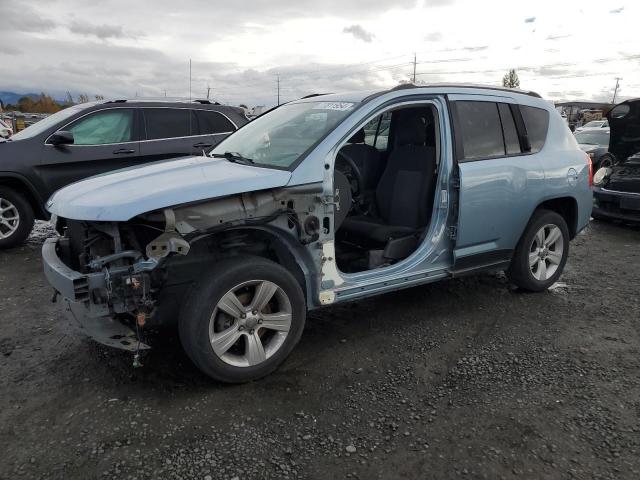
x=234 y=157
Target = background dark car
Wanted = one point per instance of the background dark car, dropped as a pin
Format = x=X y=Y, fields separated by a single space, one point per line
x=97 y=137
x=596 y=144
x=616 y=192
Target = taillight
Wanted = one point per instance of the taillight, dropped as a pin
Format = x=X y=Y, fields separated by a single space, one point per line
x=590 y=163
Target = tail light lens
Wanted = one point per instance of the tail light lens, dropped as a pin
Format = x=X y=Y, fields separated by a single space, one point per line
x=590 y=163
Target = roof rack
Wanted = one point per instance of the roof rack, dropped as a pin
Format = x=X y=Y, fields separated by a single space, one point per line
x=164 y=99
x=314 y=95
x=404 y=86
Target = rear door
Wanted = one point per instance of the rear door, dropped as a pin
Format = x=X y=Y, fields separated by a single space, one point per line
x=500 y=179
x=104 y=140
x=213 y=127
x=168 y=133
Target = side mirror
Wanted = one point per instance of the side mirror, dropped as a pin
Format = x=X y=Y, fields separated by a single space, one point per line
x=61 y=137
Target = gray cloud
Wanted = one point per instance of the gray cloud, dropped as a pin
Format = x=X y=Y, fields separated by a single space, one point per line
x=557 y=37
x=9 y=50
x=530 y=20
x=103 y=32
x=617 y=10
x=433 y=37
x=358 y=32
x=476 y=49
x=17 y=17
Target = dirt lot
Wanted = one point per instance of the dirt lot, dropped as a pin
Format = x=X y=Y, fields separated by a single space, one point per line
x=464 y=378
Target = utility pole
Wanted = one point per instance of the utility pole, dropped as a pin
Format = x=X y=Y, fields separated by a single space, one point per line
x=208 y=91
x=414 y=68
x=278 y=79
x=615 y=92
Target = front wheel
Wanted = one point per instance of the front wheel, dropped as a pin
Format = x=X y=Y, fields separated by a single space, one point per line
x=243 y=320
x=16 y=218
x=542 y=252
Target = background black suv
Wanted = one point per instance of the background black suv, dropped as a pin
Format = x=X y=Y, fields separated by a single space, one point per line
x=93 y=138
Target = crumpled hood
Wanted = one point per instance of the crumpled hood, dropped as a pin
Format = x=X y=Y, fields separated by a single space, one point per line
x=123 y=194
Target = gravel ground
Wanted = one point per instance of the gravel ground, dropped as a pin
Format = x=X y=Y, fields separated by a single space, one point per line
x=461 y=379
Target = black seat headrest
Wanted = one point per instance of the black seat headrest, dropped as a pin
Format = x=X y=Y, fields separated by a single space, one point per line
x=358 y=137
x=411 y=130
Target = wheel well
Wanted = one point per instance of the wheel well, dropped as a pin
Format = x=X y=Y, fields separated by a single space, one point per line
x=567 y=208
x=20 y=187
x=257 y=242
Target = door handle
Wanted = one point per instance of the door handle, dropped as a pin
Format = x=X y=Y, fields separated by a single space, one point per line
x=123 y=151
x=203 y=145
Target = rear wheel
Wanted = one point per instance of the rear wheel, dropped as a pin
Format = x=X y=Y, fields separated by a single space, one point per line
x=541 y=253
x=16 y=218
x=243 y=320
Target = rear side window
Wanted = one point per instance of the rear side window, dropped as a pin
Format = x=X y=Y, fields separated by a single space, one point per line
x=213 y=122
x=536 y=121
x=103 y=128
x=169 y=123
x=511 y=140
x=481 y=129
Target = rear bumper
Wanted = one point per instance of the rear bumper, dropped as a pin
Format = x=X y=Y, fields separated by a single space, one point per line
x=612 y=204
x=94 y=318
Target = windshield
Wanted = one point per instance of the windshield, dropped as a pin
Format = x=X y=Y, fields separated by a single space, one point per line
x=48 y=122
x=280 y=137
x=593 y=138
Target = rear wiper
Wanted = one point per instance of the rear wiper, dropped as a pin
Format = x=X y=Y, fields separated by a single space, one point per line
x=234 y=157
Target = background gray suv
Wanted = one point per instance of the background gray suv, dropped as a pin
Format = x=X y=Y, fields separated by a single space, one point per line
x=96 y=137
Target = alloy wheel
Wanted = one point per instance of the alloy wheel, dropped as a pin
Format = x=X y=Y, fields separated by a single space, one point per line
x=250 y=323
x=9 y=218
x=545 y=252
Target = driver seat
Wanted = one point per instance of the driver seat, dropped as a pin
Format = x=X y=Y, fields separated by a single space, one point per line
x=404 y=195
x=366 y=158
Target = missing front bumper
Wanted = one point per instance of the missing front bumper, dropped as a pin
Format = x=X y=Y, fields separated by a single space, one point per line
x=105 y=330
x=94 y=317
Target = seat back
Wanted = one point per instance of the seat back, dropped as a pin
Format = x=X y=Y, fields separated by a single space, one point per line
x=405 y=192
x=366 y=157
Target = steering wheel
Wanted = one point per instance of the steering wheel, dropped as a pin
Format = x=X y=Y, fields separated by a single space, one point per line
x=356 y=173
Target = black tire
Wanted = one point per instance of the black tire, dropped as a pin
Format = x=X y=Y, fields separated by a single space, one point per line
x=200 y=304
x=519 y=271
x=25 y=214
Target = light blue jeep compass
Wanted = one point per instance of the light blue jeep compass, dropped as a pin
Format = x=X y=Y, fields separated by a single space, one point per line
x=322 y=200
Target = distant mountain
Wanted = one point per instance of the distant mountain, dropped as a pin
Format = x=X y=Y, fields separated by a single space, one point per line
x=13 y=97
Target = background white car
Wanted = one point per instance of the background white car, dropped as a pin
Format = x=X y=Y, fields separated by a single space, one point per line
x=594 y=125
x=5 y=130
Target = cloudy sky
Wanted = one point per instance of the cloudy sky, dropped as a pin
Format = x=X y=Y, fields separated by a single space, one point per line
x=562 y=49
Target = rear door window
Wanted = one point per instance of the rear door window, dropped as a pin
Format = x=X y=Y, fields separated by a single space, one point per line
x=536 y=121
x=211 y=123
x=169 y=123
x=104 y=127
x=481 y=130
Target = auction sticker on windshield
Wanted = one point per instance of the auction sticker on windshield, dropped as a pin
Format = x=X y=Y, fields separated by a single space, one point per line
x=340 y=106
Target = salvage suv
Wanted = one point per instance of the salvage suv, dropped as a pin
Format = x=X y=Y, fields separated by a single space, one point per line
x=95 y=137
x=302 y=208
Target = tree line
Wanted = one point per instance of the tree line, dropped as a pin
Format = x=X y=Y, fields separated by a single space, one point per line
x=44 y=103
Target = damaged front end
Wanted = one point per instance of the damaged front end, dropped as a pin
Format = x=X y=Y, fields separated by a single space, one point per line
x=106 y=281
x=118 y=277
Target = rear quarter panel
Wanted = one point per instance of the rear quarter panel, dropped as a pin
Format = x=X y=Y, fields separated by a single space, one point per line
x=566 y=168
